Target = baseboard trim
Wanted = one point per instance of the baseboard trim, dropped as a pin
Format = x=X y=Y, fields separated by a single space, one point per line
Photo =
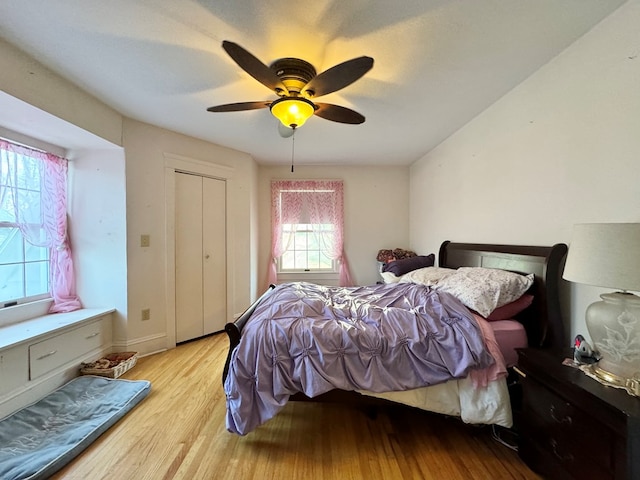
x=144 y=345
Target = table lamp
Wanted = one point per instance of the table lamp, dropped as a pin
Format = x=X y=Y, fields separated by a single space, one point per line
x=608 y=255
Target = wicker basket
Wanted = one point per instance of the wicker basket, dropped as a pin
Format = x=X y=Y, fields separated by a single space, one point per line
x=112 y=365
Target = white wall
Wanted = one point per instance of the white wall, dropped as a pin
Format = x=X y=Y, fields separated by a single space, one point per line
x=117 y=195
x=42 y=105
x=561 y=148
x=145 y=148
x=98 y=228
x=24 y=78
x=376 y=202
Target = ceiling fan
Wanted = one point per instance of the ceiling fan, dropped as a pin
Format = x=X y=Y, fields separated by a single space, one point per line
x=296 y=83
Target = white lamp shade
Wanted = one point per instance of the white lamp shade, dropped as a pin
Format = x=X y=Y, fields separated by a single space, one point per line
x=605 y=255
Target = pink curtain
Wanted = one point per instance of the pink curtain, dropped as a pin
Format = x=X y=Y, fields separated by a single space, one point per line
x=318 y=201
x=42 y=219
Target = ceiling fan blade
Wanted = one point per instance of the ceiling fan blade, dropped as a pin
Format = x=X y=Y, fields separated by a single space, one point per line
x=254 y=67
x=238 y=107
x=336 y=113
x=338 y=76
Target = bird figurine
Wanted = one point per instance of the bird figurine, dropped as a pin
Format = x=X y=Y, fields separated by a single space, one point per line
x=583 y=353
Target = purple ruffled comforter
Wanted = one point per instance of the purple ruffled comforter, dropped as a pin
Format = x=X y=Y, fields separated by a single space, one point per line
x=310 y=338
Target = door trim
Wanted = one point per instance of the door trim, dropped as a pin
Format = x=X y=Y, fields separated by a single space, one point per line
x=178 y=163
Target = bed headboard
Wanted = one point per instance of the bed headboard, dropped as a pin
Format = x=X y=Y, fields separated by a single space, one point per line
x=543 y=320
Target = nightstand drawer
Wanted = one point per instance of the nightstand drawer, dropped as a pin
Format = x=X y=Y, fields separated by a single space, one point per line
x=575 y=439
x=570 y=457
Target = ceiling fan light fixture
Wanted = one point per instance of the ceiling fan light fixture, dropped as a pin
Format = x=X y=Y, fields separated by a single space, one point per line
x=292 y=111
x=295 y=81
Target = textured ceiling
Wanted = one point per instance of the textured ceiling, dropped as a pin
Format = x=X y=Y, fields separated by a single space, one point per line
x=437 y=63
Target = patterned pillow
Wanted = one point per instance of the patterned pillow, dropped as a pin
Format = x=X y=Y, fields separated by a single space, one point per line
x=485 y=289
x=429 y=276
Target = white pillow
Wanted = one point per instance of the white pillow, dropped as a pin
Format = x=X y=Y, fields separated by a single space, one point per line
x=428 y=276
x=485 y=289
x=389 y=277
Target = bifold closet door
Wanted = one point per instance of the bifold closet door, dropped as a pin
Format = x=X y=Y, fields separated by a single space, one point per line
x=214 y=234
x=201 y=273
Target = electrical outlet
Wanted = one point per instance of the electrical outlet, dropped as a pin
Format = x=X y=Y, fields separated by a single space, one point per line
x=145 y=240
x=145 y=314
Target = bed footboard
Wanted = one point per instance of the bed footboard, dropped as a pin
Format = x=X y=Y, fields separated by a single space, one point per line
x=234 y=329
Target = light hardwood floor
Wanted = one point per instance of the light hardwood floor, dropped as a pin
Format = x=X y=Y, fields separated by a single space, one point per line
x=178 y=432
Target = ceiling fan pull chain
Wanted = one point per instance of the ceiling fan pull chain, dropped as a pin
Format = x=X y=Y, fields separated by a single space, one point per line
x=293 y=144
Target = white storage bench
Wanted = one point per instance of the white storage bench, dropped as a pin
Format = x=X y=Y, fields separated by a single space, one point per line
x=41 y=354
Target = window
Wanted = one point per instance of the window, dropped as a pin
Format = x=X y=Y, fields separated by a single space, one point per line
x=307 y=228
x=24 y=267
x=35 y=259
x=305 y=247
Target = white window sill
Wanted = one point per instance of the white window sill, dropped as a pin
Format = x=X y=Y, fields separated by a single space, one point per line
x=327 y=275
x=321 y=278
x=24 y=311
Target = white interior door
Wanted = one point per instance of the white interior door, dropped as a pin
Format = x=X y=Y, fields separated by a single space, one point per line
x=214 y=243
x=188 y=223
x=201 y=273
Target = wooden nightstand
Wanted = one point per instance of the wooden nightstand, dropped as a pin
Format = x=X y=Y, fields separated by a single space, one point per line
x=571 y=426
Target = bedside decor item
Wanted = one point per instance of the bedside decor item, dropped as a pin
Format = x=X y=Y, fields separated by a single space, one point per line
x=387 y=255
x=608 y=255
x=583 y=354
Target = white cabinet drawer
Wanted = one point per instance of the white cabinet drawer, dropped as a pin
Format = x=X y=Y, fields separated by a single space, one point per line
x=56 y=351
x=14 y=368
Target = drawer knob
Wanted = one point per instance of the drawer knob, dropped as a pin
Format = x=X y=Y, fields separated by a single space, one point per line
x=566 y=419
x=52 y=352
x=93 y=335
x=554 y=447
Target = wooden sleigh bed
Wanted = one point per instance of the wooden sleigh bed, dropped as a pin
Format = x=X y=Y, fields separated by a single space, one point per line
x=542 y=322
